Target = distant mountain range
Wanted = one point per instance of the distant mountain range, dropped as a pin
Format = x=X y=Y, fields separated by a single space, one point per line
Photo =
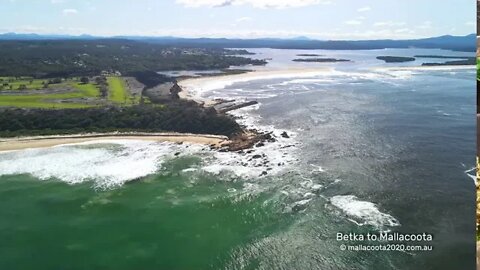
x=15 y=36
x=457 y=43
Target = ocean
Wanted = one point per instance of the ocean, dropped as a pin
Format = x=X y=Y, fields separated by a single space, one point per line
x=369 y=148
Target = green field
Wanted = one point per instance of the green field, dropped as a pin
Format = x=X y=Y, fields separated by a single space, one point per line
x=118 y=93
x=89 y=89
x=42 y=101
x=35 y=84
x=15 y=83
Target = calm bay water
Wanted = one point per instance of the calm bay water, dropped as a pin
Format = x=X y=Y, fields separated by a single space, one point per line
x=370 y=150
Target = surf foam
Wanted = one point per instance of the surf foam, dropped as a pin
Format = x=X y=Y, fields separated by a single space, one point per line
x=111 y=163
x=108 y=164
x=363 y=212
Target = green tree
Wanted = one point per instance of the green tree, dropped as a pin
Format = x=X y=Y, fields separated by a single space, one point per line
x=84 y=80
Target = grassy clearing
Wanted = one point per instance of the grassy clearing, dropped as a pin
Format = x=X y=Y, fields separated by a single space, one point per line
x=118 y=92
x=15 y=83
x=89 y=89
x=42 y=101
x=11 y=83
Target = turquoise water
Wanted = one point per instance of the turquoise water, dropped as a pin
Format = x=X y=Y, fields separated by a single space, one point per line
x=370 y=151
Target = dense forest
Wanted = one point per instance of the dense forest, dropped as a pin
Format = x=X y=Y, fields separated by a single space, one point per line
x=68 y=58
x=88 y=58
x=178 y=116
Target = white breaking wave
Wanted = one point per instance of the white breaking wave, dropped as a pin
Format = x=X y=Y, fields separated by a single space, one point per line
x=319 y=168
x=107 y=164
x=363 y=212
x=111 y=163
x=472 y=176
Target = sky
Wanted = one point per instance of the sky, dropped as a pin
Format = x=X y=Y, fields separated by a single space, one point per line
x=316 y=19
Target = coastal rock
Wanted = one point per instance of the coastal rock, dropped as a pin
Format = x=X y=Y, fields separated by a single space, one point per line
x=236 y=106
x=269 y=138
x=285 y=135
x=288 y=146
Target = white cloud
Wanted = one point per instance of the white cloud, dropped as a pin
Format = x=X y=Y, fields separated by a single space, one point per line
x=29 y=29
x=254 y=3
x=388 y=24
x=404 y=30
x=353 y=22
x=364 y=9
x=357 y=21
x=57 y=1
x=244 y=19
x=425 y=25
x=72 y=30
x=471 y=23
x=69 y=11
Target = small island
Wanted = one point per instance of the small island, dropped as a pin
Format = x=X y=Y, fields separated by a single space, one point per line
x=439 y=56
x=320 y=60
x=309 y=55
x=395 y=59
x=466 y=62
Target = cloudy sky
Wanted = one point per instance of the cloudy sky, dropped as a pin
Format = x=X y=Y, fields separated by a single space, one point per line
x=320 y=19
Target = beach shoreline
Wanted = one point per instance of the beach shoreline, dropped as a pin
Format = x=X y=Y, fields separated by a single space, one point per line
x=191 y=87
x=22 y=143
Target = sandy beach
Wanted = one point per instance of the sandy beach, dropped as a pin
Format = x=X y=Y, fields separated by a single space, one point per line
x=20 y=143
x=192 y=87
